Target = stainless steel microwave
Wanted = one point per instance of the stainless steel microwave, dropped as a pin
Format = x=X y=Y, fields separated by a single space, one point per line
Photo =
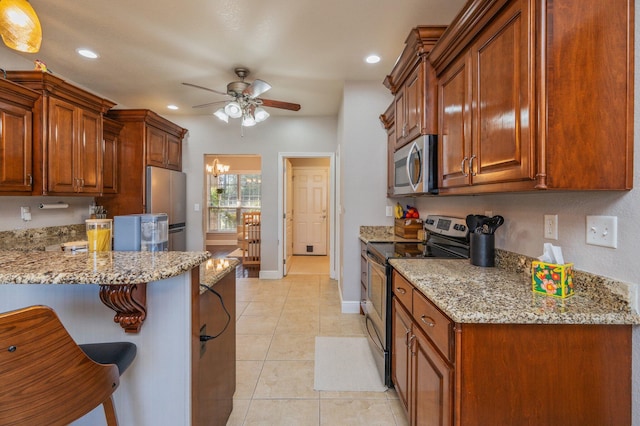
x=416 y=167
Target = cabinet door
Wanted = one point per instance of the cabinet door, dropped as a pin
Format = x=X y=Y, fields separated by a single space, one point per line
x=15 y=148
x=431 y=393
x=503 y=147
x=454 y=90
x=400 y=112
x=400 y=360
x=109 y=162
x=173 y=158
x=156 y=140
x=62 y=141
x=414 y=103
x=88 y=169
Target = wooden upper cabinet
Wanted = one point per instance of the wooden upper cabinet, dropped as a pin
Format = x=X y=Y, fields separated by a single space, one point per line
x=412 y=82
x=388 y=120
x=164 y=149
x=536 y=96
x=110 y=139
x=485 y=109
x=146 y=139
x=67 y=135
x=16 y=117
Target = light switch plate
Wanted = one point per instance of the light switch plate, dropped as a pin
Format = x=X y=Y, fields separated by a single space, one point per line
x=602 y=231
x=389 y=211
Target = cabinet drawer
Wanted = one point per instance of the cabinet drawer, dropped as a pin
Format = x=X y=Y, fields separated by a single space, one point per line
x=402 y=290
x=433 y=322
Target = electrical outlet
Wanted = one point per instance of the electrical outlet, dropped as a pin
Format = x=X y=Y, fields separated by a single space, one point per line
x=551 y=226
x=602 y=231
x=25 y=213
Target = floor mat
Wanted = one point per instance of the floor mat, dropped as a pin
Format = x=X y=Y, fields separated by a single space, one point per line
x=345 y=364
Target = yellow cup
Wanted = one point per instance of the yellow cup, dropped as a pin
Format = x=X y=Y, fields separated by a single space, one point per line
x=99 y=232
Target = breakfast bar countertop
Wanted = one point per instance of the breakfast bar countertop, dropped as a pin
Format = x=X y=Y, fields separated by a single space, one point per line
x=112 y=267
x=473 y=294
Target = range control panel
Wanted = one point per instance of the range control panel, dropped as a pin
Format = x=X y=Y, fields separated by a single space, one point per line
x=446 y=225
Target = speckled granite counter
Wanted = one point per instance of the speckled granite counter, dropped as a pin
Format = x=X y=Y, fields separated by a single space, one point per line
x=39 y=267
x=41 y=238
x=472 y=294
x=370 y=234
x=216 y=269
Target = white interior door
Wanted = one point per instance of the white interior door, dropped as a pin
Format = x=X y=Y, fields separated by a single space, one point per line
x=310 y=211
x=288 y=215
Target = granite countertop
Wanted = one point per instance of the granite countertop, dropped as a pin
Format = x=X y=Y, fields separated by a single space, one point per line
x=113 y=267
x=369 y=234
x=473 y=294
x=216 y=269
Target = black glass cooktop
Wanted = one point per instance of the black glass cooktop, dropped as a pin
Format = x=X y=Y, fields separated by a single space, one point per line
x=433 y=249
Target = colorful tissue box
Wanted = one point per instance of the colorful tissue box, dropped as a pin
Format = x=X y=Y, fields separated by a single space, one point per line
x=552 y=279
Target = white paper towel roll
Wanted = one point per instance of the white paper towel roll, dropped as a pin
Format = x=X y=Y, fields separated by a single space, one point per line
x=54 y=206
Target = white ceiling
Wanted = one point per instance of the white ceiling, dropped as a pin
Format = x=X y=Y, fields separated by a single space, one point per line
x=306 y=49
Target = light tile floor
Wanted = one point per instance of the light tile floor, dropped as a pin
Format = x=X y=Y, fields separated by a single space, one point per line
x=277 y=322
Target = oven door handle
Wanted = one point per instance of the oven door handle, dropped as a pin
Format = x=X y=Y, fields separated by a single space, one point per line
x=375 y=261
x=375 y=339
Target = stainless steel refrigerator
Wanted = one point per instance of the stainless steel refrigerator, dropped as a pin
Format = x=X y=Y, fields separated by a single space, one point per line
x=167 y=193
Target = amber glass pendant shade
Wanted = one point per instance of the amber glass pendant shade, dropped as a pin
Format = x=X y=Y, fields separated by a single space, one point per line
x=19 y=26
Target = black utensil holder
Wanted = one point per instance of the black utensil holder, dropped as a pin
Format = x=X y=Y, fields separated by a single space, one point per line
x=482 y=249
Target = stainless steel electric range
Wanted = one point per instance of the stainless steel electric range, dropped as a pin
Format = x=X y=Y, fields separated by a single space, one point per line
x=446 y=238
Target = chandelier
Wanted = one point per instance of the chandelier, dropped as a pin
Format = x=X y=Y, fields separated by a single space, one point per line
x=244 y=107
x=217 y=168
x=19 y=26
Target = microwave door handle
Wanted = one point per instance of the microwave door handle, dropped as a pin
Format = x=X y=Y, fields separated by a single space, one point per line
x=414 y=148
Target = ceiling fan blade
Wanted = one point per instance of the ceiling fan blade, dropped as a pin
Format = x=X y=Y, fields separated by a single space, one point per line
x=208 y=104
x=256 y=88
x=279 y=104
x=205 y=88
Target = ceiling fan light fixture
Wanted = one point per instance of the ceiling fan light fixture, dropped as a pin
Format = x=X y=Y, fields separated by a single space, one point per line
x=19 y=26
x=260 y=114
x=222 y=115
x=248 y=120
x=233 y=109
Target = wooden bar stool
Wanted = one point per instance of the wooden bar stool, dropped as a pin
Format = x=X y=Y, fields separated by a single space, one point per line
x=46 y=378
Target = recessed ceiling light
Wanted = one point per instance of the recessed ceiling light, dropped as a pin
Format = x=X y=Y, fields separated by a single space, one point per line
x=87 y=53
x=372 y=59
x=172 y=107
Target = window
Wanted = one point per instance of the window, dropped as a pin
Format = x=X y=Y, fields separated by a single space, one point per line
x=230 y=195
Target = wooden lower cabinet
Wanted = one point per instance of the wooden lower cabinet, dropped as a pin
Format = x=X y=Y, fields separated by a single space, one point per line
x=400 y=364
x=507 y=374
x=431 y=383
x=217 y=357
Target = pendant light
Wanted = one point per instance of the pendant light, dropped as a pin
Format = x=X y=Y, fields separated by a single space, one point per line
x=19 y=26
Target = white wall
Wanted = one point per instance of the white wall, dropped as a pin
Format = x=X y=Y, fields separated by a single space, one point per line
x=363 y=173
x=208 y=135
x=77 y=212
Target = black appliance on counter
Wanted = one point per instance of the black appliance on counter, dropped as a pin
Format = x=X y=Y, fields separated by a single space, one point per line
x=446 y=237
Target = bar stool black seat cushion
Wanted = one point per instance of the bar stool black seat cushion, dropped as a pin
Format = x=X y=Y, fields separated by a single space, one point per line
x=121 y=354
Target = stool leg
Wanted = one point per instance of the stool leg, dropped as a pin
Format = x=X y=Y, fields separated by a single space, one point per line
x=110 y=411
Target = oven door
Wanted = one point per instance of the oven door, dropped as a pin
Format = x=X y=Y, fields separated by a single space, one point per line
x=376 y=316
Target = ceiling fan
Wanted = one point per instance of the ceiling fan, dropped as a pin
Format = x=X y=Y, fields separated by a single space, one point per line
x=244 y=102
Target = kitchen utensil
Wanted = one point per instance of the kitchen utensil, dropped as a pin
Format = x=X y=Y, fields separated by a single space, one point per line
x=475 y=222
x=492 y=224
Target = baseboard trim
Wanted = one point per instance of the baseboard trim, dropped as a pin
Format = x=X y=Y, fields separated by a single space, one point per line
x=269 y=275
x=350 y=307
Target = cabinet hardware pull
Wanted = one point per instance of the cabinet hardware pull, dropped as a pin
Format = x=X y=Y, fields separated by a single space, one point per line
x=30 y=179
x=410 y=345
x=401 y=290
x=428 y=321
x=471 y=165
x=462 y=167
